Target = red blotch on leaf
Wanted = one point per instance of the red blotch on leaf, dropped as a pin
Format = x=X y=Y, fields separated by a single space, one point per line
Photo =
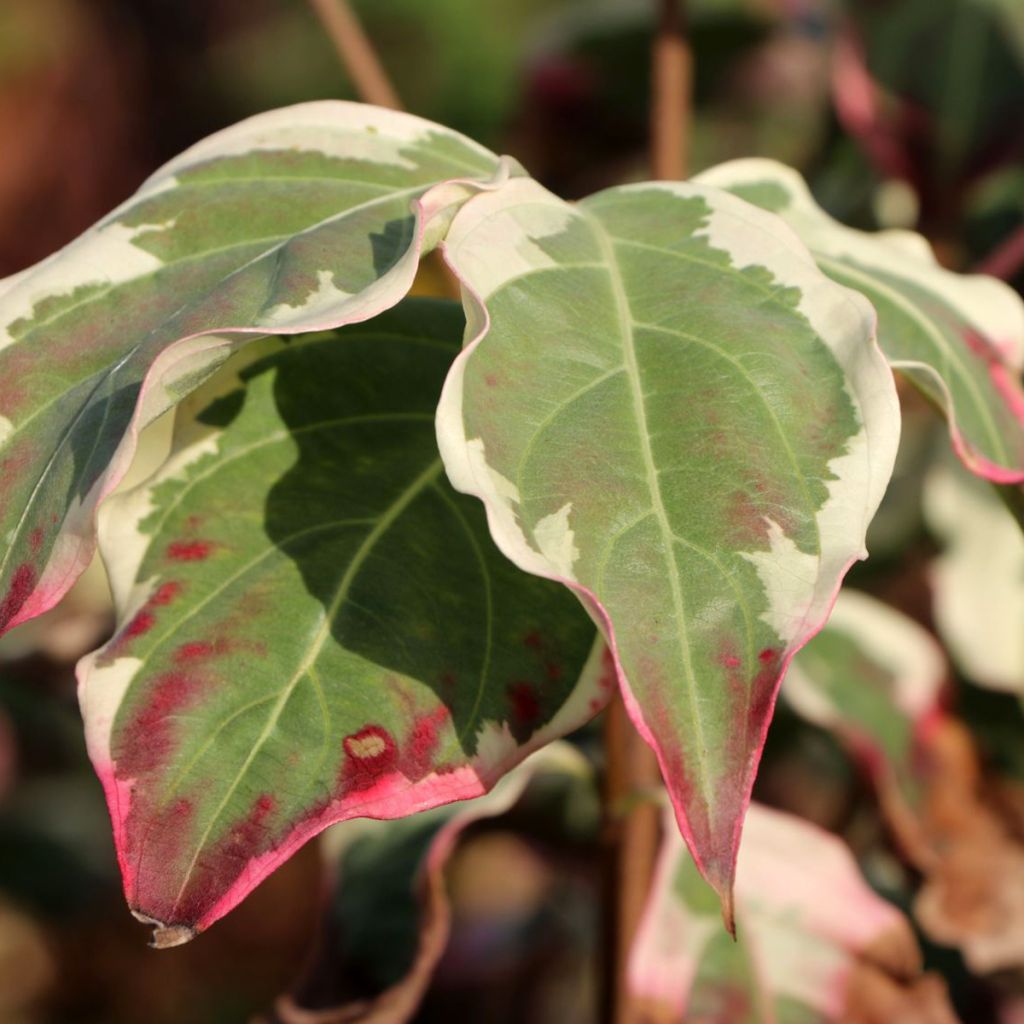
x=525 y=703
x=141 y=623
x=421 y=745
x=189 y=550
x=165 y=594
x=533 y=640
x=35 y=539
x=370 y=754
x=147 y=740
x=22 y=585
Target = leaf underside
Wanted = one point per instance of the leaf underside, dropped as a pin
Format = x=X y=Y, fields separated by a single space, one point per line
x=295 y=220
x=670 y=410
x=313 y=625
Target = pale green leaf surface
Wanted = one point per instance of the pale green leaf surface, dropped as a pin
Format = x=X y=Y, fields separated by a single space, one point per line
x=960 y=339
x=312 y=625
x=874 y=677
x=295 y=220
x=667 y=407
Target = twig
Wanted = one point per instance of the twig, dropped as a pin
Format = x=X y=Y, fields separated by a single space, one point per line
x=631 y=841
x=357 y=53
x=671 y=85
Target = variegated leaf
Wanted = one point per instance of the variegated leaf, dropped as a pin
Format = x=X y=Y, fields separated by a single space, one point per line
x=815 y=944
x=296 y=220
x=874 y=677
x=313 y=626
x=978 y=580
x=667 y=407
x=959 y=339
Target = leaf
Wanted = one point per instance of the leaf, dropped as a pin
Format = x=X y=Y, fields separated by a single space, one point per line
x=874 y=677
x=390 y=918
x=815 y=944
x=960 y=339
x=312 y=626
x=978 y=579
x=666 y=407
x=295 y=220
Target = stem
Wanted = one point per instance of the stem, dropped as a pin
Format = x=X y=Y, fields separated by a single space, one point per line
x=631 y=837
x=671 y=86
x=631 y=819
x=357 y=53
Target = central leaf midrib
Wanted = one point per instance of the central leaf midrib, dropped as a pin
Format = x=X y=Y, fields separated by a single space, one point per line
x=384 y=523
x=654 y=488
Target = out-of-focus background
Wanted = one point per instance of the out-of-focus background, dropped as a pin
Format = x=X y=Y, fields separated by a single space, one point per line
x=901 y=113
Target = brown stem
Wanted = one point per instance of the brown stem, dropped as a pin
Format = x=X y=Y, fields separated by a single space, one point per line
x=631 y=843
x=671 y=85
x=357 y=53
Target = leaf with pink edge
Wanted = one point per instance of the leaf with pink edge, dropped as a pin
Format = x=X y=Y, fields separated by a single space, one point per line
x=815 y=944
x=959 y=339
x=874 y=677
x=312 y=625
x=294 y=220
x=666 y=406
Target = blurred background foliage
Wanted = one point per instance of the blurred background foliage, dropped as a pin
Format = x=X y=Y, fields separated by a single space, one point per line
x=901 y=113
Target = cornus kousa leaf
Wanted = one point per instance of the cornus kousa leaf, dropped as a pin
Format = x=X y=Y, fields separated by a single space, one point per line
x=874 y=677
x=667 y=407
x=296 y=220
x=312 y=625
x=815 y=944
x=978 y=579
x=959 y=339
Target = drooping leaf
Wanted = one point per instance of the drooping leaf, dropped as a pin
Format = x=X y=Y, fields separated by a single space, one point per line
x=313 y=625
x=960 y=339
x=815 y=944
x=874 y=676
x=665 y=406
x=389 y=920
x=978 y=580
x=300 y=219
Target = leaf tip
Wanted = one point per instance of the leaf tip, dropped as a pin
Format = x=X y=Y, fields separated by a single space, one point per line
x=166 y=936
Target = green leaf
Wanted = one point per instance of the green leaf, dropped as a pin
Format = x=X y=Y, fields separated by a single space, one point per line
x=959 y=339
x=815 y=944
x=874 y=677
x=665 y=406
x=295 y=220
x=312 y=625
